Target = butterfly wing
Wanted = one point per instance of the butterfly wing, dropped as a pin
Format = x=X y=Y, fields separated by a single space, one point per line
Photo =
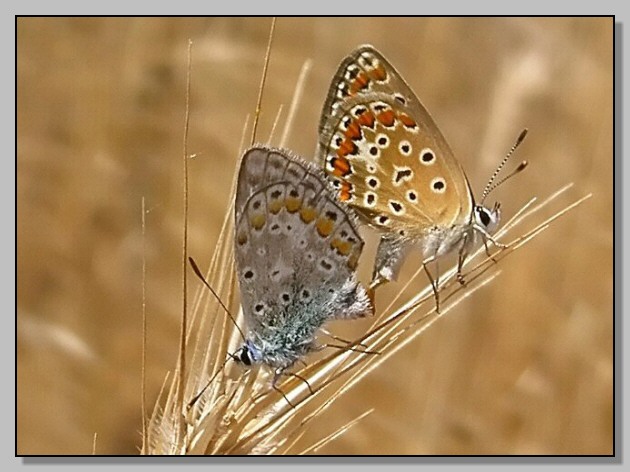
x=385 y=154
x=296 y=248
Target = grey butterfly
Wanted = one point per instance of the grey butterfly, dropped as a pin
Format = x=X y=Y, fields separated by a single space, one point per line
x=296 y=250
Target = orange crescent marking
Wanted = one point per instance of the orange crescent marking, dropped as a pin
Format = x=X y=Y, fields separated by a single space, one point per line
x=241 y=238
x=275 y=206
x=308 y=214
x=293 y=204
x=359 y=83
x=347 y=147
x=257 y=221
x=325 y=226
x=341 y=166
x=342 y=247
x=386 y=117
x=367 y=119
x=354 y=130
x=379 y=73
x=406 y=120
x=345 y=191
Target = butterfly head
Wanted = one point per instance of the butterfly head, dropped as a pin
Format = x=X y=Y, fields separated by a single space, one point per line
x=488 y=218
x=248 y=354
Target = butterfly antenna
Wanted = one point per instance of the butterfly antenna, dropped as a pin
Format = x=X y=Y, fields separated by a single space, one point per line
x=194 y=266
x=489 y=186
x=201 y=392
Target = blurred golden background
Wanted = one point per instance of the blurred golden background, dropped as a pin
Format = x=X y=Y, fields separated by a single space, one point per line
x=524 y=366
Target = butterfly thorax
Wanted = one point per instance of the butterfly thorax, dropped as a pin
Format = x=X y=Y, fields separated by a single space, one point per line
x=438 y=241
x=281 y=345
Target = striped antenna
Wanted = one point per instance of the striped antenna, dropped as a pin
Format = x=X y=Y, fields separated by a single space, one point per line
x=489 y=186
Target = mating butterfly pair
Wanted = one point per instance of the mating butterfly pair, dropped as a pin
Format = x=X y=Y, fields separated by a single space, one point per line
x=296 y=241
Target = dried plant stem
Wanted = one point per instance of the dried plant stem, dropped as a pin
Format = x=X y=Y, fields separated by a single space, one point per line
x=297 y=97
x=144 y=331
x=331 y=437
x=275 y=123
x=182 y=345
x=262 y=81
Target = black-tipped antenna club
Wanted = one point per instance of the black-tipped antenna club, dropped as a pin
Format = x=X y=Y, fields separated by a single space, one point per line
x=489 y=186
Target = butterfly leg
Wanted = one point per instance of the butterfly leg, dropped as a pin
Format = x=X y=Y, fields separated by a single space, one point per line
x=337 y=338
x=461 y=259
x=434 y=282
x=346 y=348
x=277 y=374
x=488 y=253
x=488 y=237
x=299 y=377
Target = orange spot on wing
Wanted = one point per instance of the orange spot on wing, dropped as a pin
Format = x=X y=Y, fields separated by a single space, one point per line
x=293 y=204
x=387 y=118
x=308 y=214
x=379 y=73
x=345 y=191
x=342 y=247
x=359 y=83
x=275 y=206
x=257 y=221
x=406 y=120
x=241 y=238
x=341 y=166
x=325 y=226
x=347 y=147
x=366 y=119
x=354 y=130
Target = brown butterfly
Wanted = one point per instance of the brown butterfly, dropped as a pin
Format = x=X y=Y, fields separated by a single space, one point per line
x=388 y=159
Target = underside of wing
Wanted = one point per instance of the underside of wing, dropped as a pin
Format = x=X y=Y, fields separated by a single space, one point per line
x=296 y=247
x=383 y=151
x=389 y=166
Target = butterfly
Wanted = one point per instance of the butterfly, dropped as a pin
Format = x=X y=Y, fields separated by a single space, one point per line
x=296 y=250
x=389 y=161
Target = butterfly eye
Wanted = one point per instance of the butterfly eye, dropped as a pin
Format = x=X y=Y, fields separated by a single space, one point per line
x=484 y=217
x=243 y=356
